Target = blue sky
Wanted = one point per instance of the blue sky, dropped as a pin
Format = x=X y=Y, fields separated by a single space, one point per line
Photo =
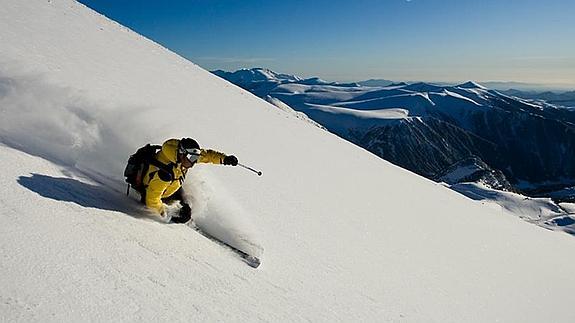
x=432 y=40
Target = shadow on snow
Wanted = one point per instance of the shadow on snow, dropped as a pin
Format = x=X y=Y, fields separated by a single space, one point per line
x=75 y=191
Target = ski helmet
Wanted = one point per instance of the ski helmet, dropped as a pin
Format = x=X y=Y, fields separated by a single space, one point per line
x=190 y=148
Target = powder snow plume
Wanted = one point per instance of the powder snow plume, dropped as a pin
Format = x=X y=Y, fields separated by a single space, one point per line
x=60 y=125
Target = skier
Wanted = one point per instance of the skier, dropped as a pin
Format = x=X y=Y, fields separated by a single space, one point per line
x=164 y=184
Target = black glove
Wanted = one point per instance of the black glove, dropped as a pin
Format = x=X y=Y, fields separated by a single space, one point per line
x=184 y=216
x=231 y=160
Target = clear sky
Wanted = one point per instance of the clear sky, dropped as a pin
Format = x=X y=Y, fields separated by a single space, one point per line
x=430 y=40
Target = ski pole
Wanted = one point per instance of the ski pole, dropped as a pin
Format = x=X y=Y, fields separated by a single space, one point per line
x=253 y=170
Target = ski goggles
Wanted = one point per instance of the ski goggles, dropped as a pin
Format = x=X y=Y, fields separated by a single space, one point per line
x=192 y=154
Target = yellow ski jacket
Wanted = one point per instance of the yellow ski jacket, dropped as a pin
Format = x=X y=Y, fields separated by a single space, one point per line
x=161 y=185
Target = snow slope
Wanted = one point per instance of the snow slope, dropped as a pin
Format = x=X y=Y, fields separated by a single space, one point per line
x=540 y=211
x=345 y=235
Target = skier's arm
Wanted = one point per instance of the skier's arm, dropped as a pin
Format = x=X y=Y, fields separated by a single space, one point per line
x=154 y=192
x=211 y=157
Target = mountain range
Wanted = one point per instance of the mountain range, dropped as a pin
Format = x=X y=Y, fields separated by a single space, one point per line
x=429 y=128
x=563 y=99
x=495 y=85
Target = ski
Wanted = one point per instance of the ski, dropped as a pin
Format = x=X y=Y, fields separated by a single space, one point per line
x=251 y=260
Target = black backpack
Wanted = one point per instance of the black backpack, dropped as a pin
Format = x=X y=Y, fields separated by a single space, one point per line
x=138 y=165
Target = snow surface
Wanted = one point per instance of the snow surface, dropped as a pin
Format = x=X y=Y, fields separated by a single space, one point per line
x=540 y=211
x=286 y=108
x=460 y=173
x=344 y=235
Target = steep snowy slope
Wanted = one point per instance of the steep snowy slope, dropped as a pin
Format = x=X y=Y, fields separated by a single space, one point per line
x=345 y=235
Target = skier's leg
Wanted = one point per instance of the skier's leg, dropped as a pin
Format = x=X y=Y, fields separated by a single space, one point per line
x=185 y=213
x=177 y=196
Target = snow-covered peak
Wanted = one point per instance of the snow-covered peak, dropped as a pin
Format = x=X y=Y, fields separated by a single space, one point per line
x=471 y=85
x=423 y=87
x=244 y=76
x=314 y=81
